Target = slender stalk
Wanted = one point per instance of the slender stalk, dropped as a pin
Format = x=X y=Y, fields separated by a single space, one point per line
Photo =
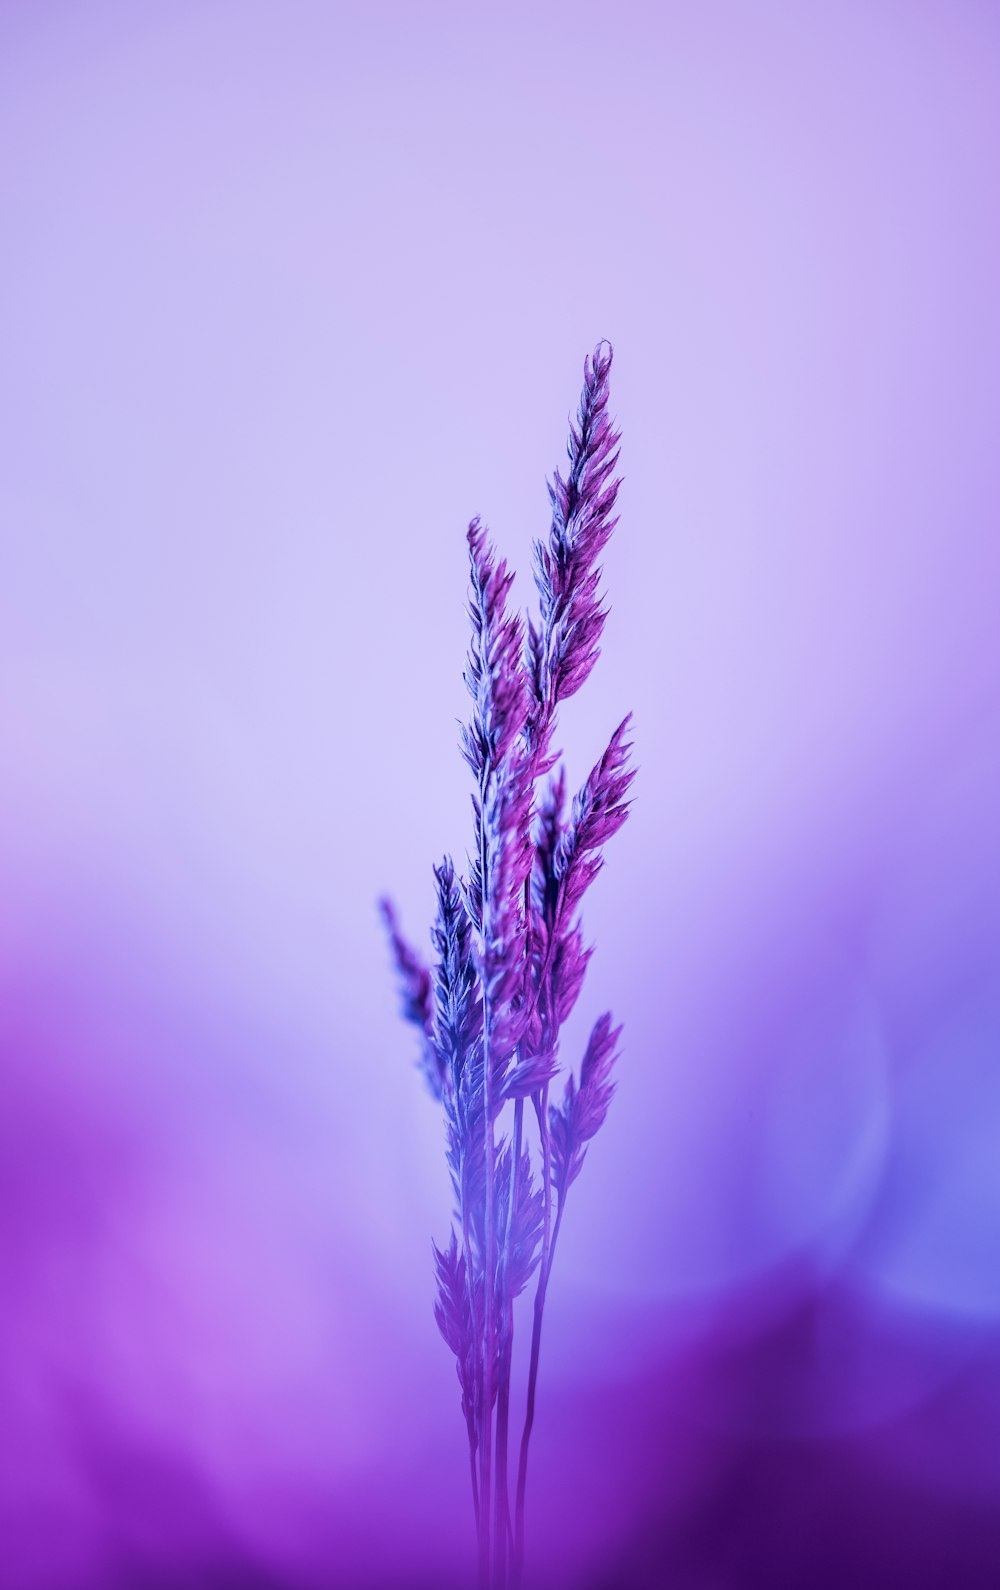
x=504 y=1531
x=502 y=1519
x=555 y=1232
x=536 y=1342
x=541 y=1109
x=529 y=1418
x=467 y=1245
x=486 y=1421
x=502 y=1509
x=468 y=1005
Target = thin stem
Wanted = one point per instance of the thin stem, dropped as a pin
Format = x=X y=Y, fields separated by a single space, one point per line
x=504 y=1529
x=502 y=1518
x=536 y=1342
x=467 y=1245
x=475 y=1477
x=529 y=1418
x=486 y=1420
x=555 y=1233
x=541 y=1109
x=502 y=1509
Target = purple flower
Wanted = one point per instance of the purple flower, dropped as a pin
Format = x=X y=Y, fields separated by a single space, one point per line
x=562 y=649
x=415 y=989
x=511 y=960
x=582 y=1112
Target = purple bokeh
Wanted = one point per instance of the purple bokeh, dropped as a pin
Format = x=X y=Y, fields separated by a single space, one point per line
x=288 y=294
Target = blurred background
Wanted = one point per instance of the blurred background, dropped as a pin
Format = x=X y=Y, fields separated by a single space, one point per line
x=289 y=292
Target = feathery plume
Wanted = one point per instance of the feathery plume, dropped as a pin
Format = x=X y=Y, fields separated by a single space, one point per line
x=582 y=1112
x=511 y=959
x=456 y=1018
x=494 y=676
x=455 y=1313
x=415 y=991
x=599 y=810
x=524 y=1221
x=563 y=647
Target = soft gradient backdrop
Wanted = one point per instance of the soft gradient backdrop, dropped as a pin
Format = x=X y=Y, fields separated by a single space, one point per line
x=288 y=292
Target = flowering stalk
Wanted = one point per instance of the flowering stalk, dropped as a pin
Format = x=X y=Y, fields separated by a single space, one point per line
x=510 y=960
x=493 y=748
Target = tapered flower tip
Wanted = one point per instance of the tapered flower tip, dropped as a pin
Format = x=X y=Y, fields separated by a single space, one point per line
x=445 y=874
x=601 y=358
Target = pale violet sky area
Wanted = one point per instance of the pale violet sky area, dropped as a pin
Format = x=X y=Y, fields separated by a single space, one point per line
x=287 y=293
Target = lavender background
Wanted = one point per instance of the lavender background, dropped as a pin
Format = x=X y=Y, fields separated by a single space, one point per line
x=288 y=293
